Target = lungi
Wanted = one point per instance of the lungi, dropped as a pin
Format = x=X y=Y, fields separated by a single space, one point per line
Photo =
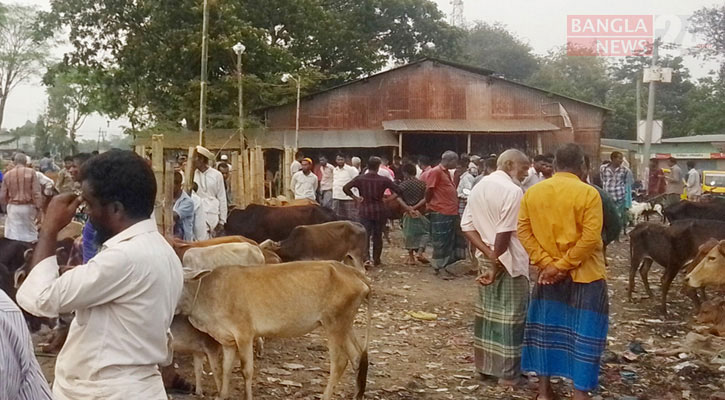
x=345 y=209
x=325 y=198
x=498 y=327
x=444 y=237
x=415 y=232
x=566 y=331
x=20 y=222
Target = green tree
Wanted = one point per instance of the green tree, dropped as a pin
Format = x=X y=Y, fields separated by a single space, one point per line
x=21 y=54
x=145 y=55
x=494 y=47
x=709 y=23
x=705 y=105
x=582 y=77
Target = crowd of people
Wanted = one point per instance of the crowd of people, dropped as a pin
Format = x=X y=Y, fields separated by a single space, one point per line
x=518 y=220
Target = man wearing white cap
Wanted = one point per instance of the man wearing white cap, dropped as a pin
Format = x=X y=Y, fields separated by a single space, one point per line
x=211 y=190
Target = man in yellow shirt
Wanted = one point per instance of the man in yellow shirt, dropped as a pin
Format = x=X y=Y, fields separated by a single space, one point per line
x=560 y=226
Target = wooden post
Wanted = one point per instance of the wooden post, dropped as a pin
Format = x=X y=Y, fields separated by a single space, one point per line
x=235 y=171
x=169 y=199
x=140 y=150
x=241 y=184
x=400 y=144
x=157 y=165
x=286 y=176
x=247 y=184
x=259 y=176
x=468 y=145
x=189 y=170
x=539 y=144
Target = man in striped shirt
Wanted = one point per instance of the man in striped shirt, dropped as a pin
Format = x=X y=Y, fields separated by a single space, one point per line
x=22 y=378
x=20 y=191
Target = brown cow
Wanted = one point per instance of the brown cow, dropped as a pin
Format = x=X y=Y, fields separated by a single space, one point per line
x=713 y=312
x=260 y=223
x=670 y=246
x=235 y=305
x=180 y=246
x=336 y=241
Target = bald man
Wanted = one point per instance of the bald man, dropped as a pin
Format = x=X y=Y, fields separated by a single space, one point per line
x=489 y=222
x=442 y=201
x=20 y=193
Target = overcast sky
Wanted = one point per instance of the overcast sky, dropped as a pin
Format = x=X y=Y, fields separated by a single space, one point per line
x=541 y=23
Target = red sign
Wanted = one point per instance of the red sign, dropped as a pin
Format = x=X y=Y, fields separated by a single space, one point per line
x=663 y=156
x=717 y=155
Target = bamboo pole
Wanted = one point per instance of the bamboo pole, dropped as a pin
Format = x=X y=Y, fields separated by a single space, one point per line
x=157 y=165
x=234 y=180
x=169 y=199
x=247 y=185
x=140 y=150
x=189 y=170
x=259 y=176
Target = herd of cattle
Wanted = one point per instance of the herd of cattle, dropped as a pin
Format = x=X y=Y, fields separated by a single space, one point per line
x=281 y=272
x=689 y=243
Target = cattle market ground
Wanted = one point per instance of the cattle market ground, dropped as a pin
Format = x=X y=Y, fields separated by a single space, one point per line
x=418 y=359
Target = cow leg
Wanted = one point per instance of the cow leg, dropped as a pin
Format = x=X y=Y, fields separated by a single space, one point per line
x=212 y=354
x=198 y=365
x=338 y=362
x=692 y=294
x=644 y=273
x=354 y=354
x=669 y=276
x=230 y=355
x=259 y=351
x=246 y=354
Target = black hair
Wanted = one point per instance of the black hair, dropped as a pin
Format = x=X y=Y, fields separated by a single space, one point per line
x=299 y=155
x=46 y=154
x=68 y=159
x=81 y=158
x=464 y=160
x=424 y=160
x=178 y=177
x=374 y=163
x=615 y=154
x=672 y=160
x=397 y=158
x=94 y=152
x=409 y=169
x=490 y=163
x=222 y=165
x=569 y=157
x=340 y=155
x=122 y=176
x=691 y=164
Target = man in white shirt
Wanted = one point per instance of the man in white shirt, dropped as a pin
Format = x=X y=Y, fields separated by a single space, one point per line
x=200 y=232
x=296 y=163
x=211 y=190
x=490 y=222
x=694 y=183
x=304 y=182
x=325 y=174
x=343 y=205
x=124 y=298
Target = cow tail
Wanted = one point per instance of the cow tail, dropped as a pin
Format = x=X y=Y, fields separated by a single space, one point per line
x=362 y=370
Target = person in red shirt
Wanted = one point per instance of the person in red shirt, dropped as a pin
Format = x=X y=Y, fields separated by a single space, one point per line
x=442 y=200
x=656 y=182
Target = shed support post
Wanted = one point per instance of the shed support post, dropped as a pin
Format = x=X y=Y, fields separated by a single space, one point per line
x=189 y=170
x=400 y=144
x=236 y=172
x=157 y=165
x=169 y=199
x=286 y=176
x=468 y=145
x=539 y=144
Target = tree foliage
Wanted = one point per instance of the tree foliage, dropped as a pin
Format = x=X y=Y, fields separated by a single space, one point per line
x=22 y=55
x=145 y=56
x=709 y=23
x=494 y=47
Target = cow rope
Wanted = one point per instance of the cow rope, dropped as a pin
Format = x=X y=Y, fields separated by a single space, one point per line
x=196 y=294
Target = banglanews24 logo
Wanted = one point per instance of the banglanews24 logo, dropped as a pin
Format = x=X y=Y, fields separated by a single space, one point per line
x=610 y=35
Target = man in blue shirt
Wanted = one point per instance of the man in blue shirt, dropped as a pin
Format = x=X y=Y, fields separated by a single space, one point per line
x=183 y=211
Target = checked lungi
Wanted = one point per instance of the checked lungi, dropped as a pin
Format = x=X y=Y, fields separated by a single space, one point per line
x=566 y=331
x=415 y=232
x=345 y=209
x=498 y=327
x=444 y=238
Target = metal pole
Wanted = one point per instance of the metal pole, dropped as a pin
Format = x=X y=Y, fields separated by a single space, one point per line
x=650 y=111
x=204 y=54
x=297 y=118
x=239 y=100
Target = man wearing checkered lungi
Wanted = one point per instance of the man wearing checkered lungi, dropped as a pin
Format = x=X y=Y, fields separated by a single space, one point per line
x=489 y=222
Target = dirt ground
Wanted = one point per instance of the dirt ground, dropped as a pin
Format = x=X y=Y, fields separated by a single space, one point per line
x=416 y=359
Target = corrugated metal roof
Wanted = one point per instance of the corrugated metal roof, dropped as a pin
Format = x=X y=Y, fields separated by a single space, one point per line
x=472 y=126
x=620 y=143
x=696 y=139
x=327 y=139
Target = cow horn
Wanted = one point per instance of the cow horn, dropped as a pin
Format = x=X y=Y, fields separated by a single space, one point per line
x=16 y=278
x=27 y=255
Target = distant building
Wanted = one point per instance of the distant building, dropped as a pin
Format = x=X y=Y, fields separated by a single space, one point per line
x=10 y=144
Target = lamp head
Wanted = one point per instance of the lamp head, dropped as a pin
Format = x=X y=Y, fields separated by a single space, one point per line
x=239 y=48
x=286 y=78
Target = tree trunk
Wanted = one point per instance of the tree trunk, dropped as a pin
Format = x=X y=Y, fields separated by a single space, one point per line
x=3 y=100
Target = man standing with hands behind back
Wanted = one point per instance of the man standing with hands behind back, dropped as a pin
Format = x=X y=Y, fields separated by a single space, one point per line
x=489 y=222
x=560 y=226
x=124 y=298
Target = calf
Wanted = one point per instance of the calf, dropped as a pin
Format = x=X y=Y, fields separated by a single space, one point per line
x=234 y=305
x=713 y=312
x=189 y=340
x=200 y=258
x=181 y=247
x=329 y=241
x=670 y=246
x=710 y=270
x=714 y=210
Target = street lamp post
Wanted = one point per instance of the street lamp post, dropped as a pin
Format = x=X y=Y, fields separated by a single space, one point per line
x=204 y=56
x=239 y=50
x=286 y=78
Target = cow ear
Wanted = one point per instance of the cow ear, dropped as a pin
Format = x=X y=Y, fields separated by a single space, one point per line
x=195 y=275
x=721 y=247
